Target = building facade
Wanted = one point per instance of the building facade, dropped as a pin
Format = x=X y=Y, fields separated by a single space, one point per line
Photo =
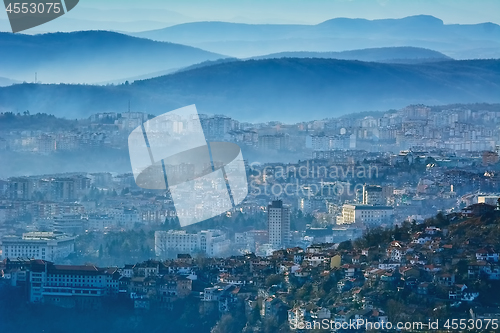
x=70 y=286
x=366 y=214
x=278 y=224
x=38 y=245
x=213 y=243
x=373 y=195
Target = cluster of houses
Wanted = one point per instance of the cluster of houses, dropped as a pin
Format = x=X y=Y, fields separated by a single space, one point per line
x=424 y=265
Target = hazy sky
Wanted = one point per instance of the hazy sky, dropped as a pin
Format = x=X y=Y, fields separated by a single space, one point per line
x=169 y=12
x=314 y=11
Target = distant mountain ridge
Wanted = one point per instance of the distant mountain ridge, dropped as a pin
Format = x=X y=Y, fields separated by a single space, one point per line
x=90 y=56
x=338 y=34
x=4 y=81
x=405 y=55
x=287 y=89
x=384 y=54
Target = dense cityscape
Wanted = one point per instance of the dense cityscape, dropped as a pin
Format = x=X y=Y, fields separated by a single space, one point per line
x=250 y=166
x=375 y=208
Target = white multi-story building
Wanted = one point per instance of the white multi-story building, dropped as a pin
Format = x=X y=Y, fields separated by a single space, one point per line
x=278 y=224
x=366 y=214
x=69 y=285
x=325 y=143
x=125 y=218
x=71 y=224
x=101 y=222
x=211 y=242
x=38 y=245
x=488 y=199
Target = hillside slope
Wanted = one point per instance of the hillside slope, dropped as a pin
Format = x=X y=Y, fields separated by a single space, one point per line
x=287 y=89
x=384 y=54
x=90 y=56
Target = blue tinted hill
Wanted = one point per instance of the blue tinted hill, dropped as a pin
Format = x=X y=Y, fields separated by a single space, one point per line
x=384 y=54
x=287 y=89
x=90 y=56
x=462 y=41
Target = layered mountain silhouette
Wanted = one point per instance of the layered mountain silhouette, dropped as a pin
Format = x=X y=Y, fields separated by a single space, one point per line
x=287 y=89
x=406 y=55
x=4 y=81
x=90 y=56
x=383 y=54
x=339 y=34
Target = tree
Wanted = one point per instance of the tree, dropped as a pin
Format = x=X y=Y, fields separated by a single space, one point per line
x=397 y=233
x=346 y=245
x=274 y=279
x=229 y=323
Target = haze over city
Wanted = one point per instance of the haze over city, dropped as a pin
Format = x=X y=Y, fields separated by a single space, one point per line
x=251 y=166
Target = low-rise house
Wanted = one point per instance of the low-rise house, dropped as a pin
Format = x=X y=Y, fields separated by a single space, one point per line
x=469 y=295
x=321 y=313
x=340 y=317
x=274 y=308
x=487 y=254
x=288 y=267
x=492 y=271
x=390 y=276
x=409 y=272
x=127 y=271
x=432 y=230
x=225 y=296
x=315 y=259
x=237 y=280
x=432 y=268
x=389 y=265
x=423 y=288
x=422 y=239
x=303 y=272
x=147 y=268
x=456 y=291
x=476 y=269
x=444 y=279
x=351 y=270
x=479 y=312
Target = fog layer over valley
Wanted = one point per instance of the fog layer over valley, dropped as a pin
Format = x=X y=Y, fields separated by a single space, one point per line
x=290 y=89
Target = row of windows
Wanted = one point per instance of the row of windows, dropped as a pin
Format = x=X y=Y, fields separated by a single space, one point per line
x=74 y=276
x=88 y=292
x=73 y=280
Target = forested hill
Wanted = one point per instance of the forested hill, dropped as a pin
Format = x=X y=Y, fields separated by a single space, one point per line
x=287 y=89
